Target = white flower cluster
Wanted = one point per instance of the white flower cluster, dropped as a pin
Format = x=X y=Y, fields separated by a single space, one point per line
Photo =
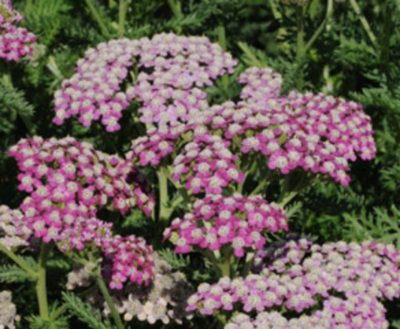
x=8 y=311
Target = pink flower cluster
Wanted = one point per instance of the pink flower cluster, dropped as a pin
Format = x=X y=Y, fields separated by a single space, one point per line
x=300 y=274
x=206 y=164
x=235 y=221
x=156 y=145
x=130 y=256
x=260 y=84
x=337 y=313
x=316 y=133
x=131 y=261
x=67 y=182
x=171 y=70
x=60 y=172
x=15 y=42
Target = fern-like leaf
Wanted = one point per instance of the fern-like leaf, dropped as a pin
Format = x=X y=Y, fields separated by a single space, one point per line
x=86 y=313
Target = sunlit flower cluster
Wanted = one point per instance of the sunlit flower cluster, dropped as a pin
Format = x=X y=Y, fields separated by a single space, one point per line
x=235 y=221
x=352 y=279
x=316 y=133
x=171 y=70
x=8 y=311
x=15 y=42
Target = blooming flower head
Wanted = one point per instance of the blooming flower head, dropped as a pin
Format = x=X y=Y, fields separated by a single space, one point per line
x=131 y=261
x=157 y=144
x=15 y=42
x=67 y=182
x=63 y=171
x=344 y=283
x=315 y=133
x=236 y=221
x=206 y=164
x=172 y=73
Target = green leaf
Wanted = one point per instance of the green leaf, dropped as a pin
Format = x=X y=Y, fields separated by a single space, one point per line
x=13 y=273
x=176 y=261
x=85 y=312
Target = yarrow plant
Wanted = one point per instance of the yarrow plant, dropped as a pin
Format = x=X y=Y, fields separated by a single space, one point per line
x=15 y=42
x=351 y=279
x=237 y=222
x=164 y=74
x=224 y=171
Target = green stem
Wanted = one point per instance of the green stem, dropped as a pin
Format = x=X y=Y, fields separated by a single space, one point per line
x=321 y=28
x=108 y=141
x=123 y=8
x=109 y=301
x=222 y=36
x=365 y=23
x=28 y=5
x=18 y=261
x=176 y=8
x=97 y=18
x=247 y=265
x=41 y=288
x=222 y=41
x=225 y=268
x=262 y=184
x=182 y=191
x=162 y=175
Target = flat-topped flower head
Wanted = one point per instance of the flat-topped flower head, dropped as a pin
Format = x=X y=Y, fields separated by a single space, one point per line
x=131 y=261
x=15 y=42
x=235 y=221
x=260 y=84
x=56 y=172
x=172 y=72
x=315 y=133
x=206 y=165
x=345 y=284
x=157 y=144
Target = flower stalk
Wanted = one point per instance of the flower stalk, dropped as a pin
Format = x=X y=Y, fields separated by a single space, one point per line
x=41 y=288
x=104 y=290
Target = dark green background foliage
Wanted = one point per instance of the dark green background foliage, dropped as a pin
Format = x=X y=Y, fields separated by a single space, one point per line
x=344 y=61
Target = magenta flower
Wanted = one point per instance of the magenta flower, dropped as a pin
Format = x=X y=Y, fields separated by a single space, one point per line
x=236 y=221
x=15 y=42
